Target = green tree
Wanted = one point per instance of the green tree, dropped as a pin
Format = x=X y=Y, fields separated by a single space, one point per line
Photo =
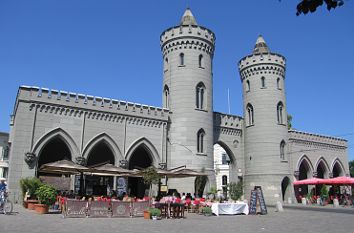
x=200 y=183
x=351 y=168
x=150 y=177
x=290 y=119
x=235 y=190
x=306 y=6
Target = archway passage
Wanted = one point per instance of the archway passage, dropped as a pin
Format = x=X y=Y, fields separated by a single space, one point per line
x=285 y=188
x=99 y=185
x=305 y=172
x=337 y=170
x=140 y=159
x=322 y=172
x=56 y=149
x=225 y=168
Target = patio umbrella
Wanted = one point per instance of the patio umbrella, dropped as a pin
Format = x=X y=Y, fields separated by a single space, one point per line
x=67 y=167
x=340 y=180
x=111 y=170
x=183 y=172
x=311 y=181
x=63 y=167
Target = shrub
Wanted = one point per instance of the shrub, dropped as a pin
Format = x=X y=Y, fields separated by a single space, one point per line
x=235 y=190
x=155 y=212
x=46 y=194
x=324 y=191
x=207 y=211
x=30 y=185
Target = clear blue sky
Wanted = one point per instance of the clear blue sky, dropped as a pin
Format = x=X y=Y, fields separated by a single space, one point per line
x=111 y=49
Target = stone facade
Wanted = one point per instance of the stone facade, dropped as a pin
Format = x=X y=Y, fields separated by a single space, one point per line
x=4 y=155
x=183 y=132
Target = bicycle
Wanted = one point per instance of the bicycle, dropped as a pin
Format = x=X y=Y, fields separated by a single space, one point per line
x=6 y=205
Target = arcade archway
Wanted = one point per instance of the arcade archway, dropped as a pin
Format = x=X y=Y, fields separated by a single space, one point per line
x=140 y=159
x=100 y=154
x=54 y=150
x=286 y=188
x=337 y=170
x=305 y=172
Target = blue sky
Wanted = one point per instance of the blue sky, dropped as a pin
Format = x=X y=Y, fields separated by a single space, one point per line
x=111 y=49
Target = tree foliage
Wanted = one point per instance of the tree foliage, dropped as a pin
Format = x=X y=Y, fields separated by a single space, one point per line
x=150 y=176
x=200 y=183
x=306 y=6
x=351 y=168
x=235 y=190
x=290 y=118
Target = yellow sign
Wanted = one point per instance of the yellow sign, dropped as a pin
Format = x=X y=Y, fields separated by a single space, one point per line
x=163 y=188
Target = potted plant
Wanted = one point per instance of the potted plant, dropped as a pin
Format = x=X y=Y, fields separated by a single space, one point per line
x=206 y=211
x=28 y=187
x=146 y=214
x=47 y=196
x=155 y=213
x=324 y=195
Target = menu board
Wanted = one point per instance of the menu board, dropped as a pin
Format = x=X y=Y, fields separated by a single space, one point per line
x=257 y=198
x=75 y=209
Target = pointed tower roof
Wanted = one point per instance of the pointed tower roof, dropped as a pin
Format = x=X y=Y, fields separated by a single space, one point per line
x=261 y=46
x=188 y=18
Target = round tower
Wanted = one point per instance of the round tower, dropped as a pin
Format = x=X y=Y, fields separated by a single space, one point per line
x=265 y=123
x=187 y=91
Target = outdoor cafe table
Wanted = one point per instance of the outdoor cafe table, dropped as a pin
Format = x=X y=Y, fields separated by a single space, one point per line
x=229 y=208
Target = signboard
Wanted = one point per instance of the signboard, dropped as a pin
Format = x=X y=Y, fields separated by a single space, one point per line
x=257 y=199
x=163 y=188
x=253 y=202
x=261 y=200
x=98 y=209
x=75 y=209
x=121 y=209
x=139 y=207
x=121 y=186
x=58 y=182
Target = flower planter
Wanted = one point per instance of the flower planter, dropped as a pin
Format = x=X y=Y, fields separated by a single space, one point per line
x=41 y=208
x=31 y=203
x=146 y=214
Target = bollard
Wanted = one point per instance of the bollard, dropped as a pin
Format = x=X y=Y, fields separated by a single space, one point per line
x=335 y=202
x=289 y=200
x=279 y=207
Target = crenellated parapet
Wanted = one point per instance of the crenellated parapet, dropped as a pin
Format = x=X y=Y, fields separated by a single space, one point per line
x=264 y=63
x=228 y=124
x=316 y=140
x=187 y=37
x=74 y=104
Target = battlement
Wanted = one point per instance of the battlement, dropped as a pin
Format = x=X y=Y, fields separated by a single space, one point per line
x=89 y=102
x=271 y=63
x=227 y=120
x=187 y=37
x=310 y=137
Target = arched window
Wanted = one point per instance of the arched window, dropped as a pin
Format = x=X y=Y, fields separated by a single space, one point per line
x=181 y=59
x=200 y=94
x=166 y=97
x=278 y=83
x=280 y=109
x=250 y=115
x=224 y=180
x=201 y=61
x=248 y=86
x=200 y=141
x=263 y=82
x=282 y=150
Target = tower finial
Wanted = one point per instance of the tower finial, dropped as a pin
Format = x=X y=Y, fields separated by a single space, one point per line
x=188 y=18
x=261 y=46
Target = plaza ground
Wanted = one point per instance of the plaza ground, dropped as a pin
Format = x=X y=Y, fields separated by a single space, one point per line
x=290 y=221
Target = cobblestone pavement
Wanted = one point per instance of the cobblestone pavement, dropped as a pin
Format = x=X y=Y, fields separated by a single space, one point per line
x=289 y=221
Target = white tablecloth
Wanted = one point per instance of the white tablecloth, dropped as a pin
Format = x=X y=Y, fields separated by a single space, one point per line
x=229 y=208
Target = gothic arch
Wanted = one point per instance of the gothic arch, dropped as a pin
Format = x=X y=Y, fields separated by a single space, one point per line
x=103 y=137
x=340 y=164
x=308 y=162
x=153 y=153
x=228 y=151
x=325 y=167
x=57 y=132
